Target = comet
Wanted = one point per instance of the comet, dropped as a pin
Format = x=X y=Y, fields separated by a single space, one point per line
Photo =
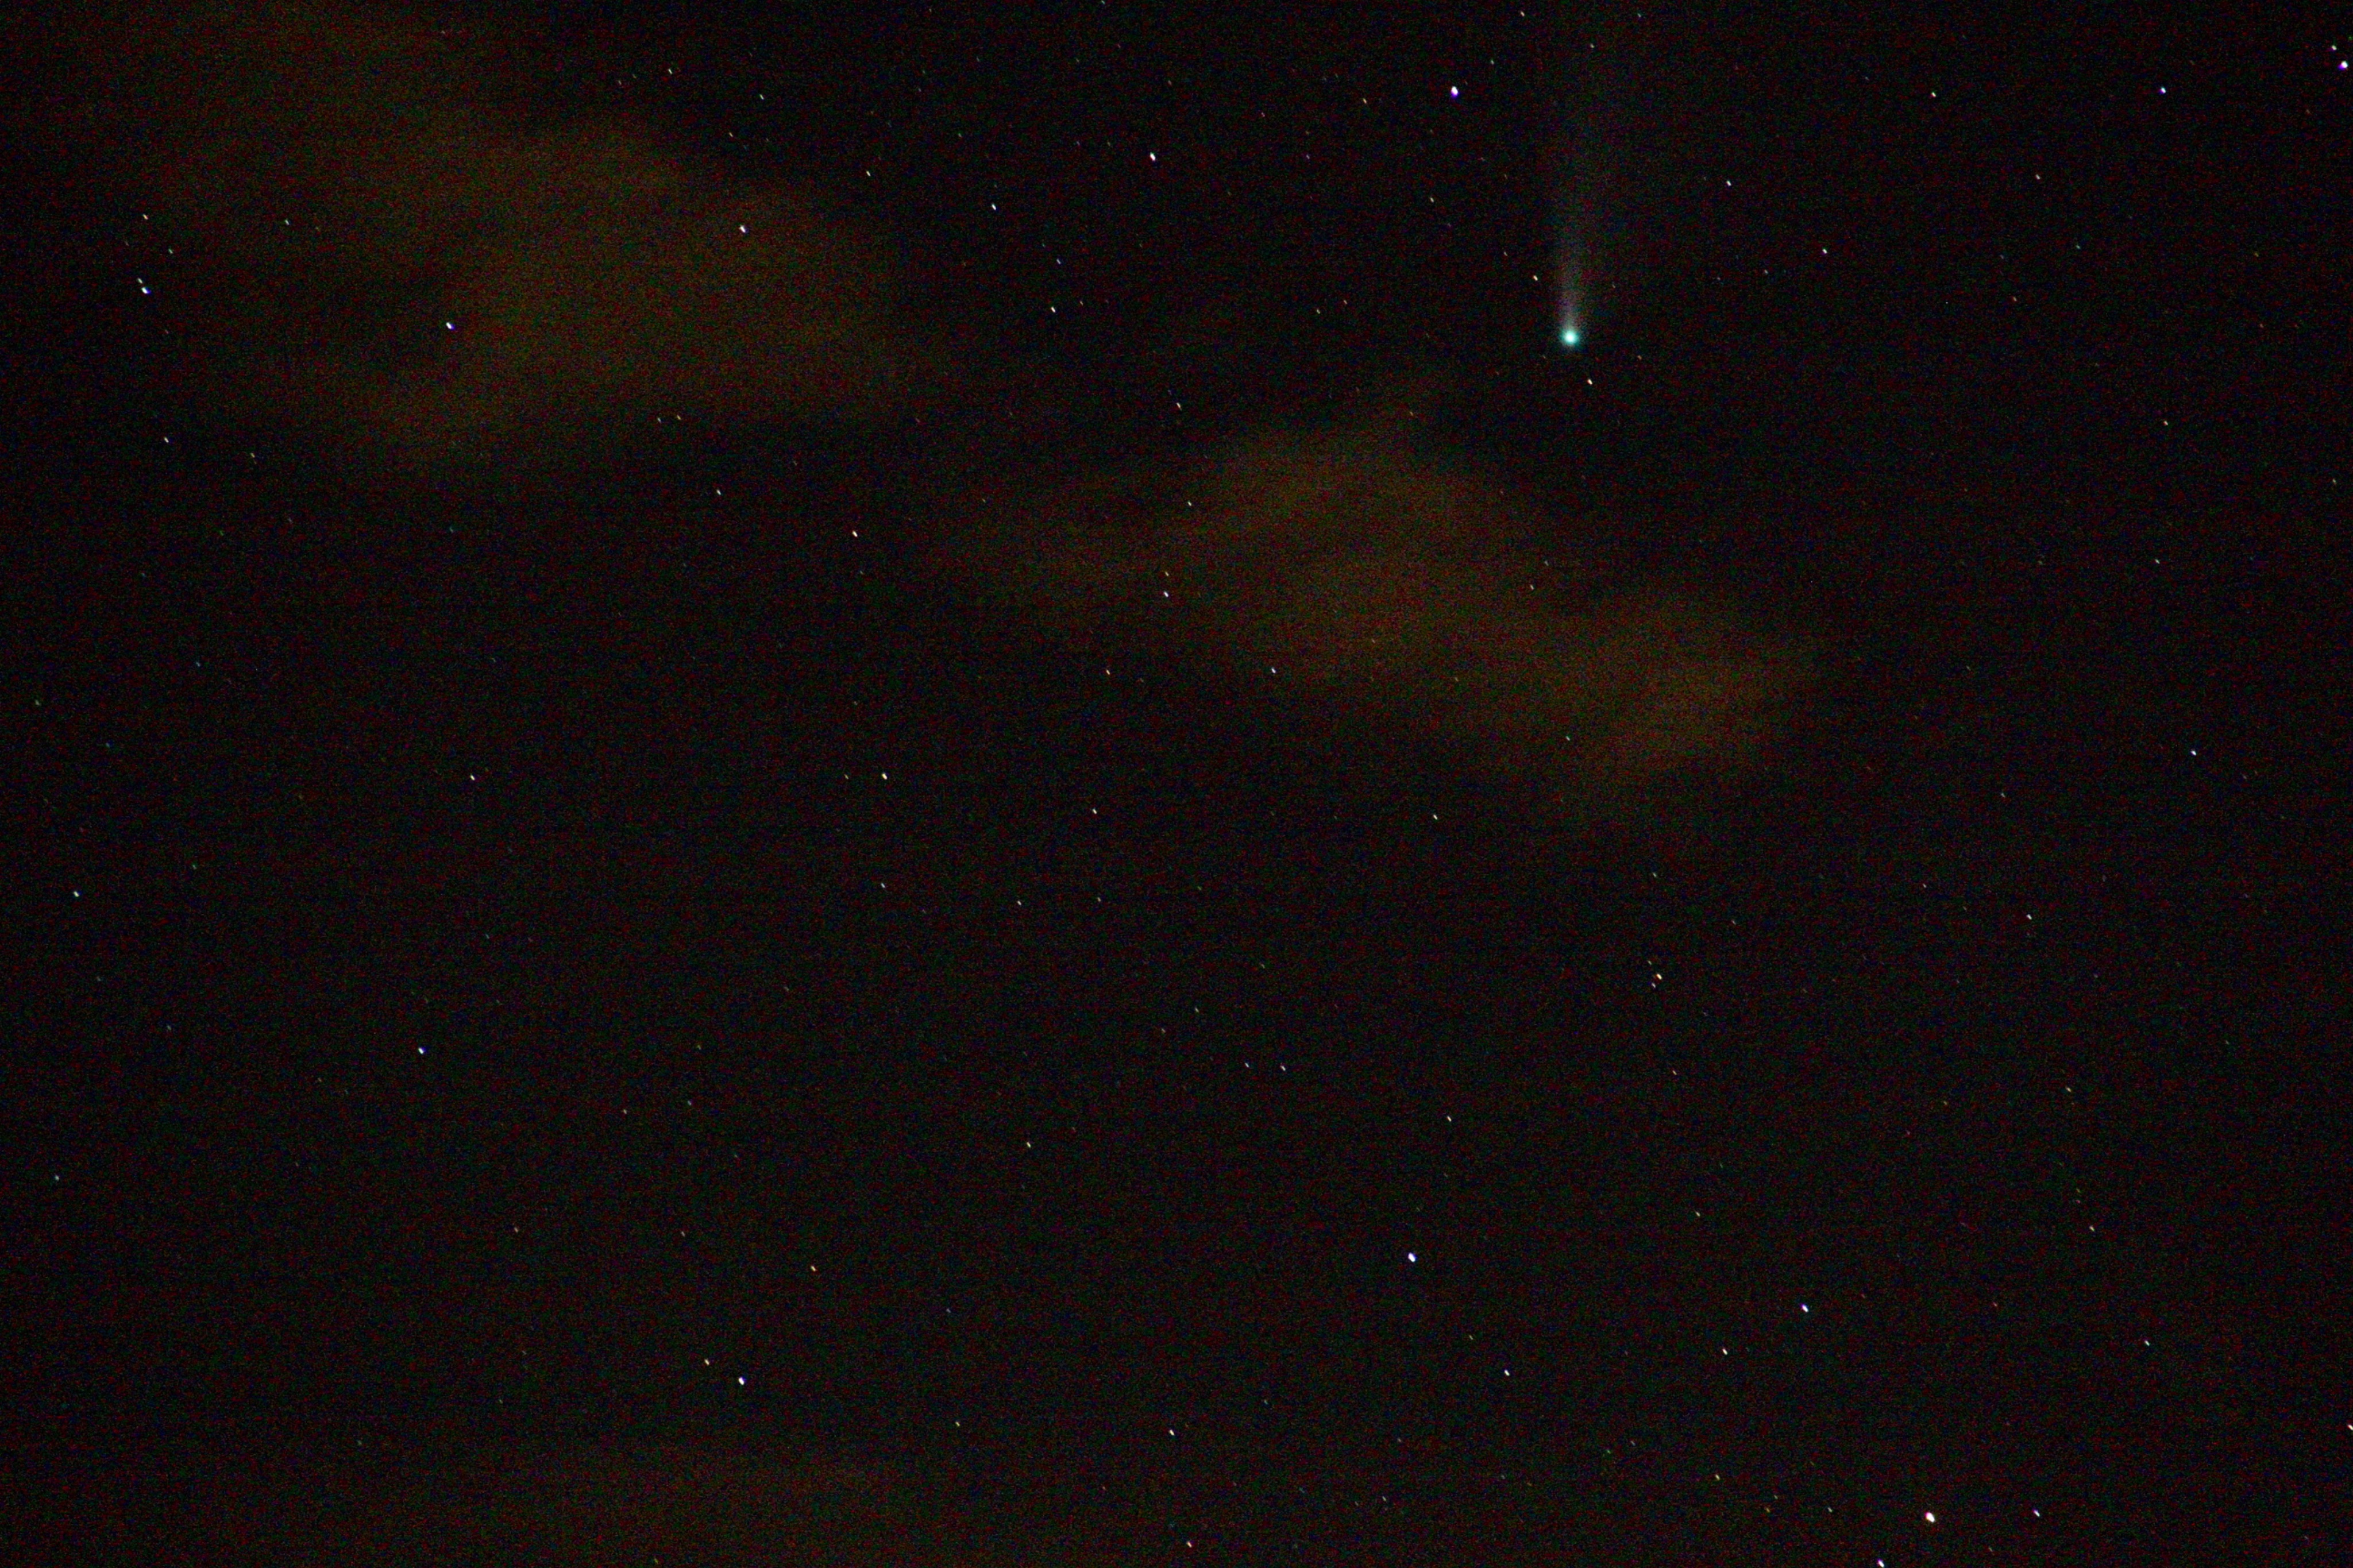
x=1569 y=293
x=1587 y=152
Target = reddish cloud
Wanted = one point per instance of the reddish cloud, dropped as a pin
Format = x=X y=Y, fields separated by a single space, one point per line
x=1393 y=594
x=385 y=244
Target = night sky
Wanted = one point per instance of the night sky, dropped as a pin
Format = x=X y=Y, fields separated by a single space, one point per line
x=822 y=785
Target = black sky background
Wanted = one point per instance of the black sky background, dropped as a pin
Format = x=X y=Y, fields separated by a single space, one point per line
x=499 y=959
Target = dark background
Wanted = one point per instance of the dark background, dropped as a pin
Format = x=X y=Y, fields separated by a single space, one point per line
x=474 y=991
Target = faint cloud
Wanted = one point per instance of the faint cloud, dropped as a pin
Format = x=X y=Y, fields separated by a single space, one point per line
x=382 y=244
x=1339 y=567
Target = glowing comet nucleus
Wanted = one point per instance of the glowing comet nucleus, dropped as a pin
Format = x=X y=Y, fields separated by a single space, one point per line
x=1570 y=336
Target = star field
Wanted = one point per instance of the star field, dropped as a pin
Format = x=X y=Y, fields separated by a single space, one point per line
x=941 y=787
